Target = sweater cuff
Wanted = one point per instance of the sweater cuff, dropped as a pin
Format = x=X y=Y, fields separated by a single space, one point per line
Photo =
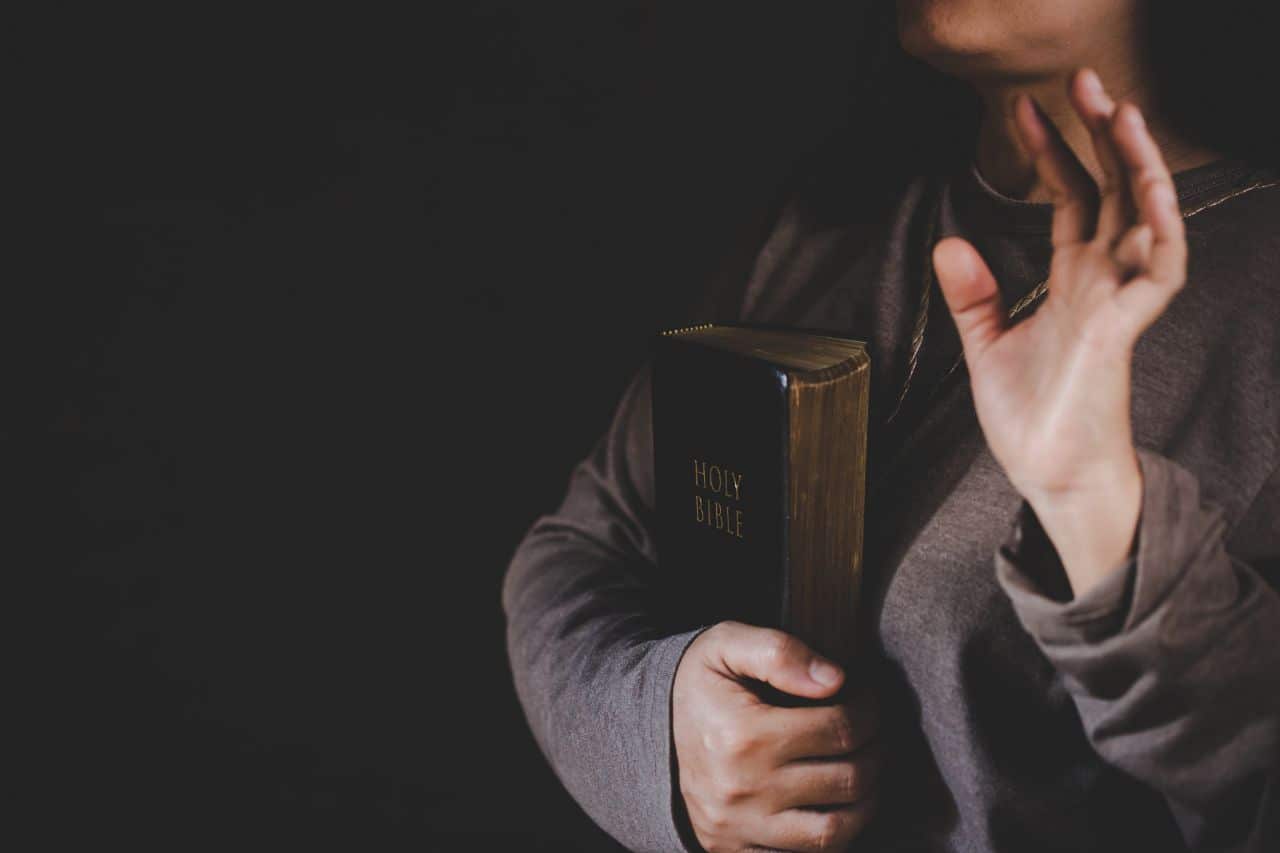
x=1031 y=573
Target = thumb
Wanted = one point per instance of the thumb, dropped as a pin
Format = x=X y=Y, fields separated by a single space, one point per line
x=777 y=658
x=971 y=293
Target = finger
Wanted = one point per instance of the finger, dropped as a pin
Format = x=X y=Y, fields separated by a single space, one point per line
x=1116 y=207
x=816 y=829
x=971 y=294
x=1072 y=190
x=829 y=783
x=1155 y=193
x=1142 y=300
x=820 y=732
x=776 y=658
x=1133 y=251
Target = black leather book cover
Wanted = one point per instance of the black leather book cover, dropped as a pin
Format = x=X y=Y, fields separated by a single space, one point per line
x=720 y=443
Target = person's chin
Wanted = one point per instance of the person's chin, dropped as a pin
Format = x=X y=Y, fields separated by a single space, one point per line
x=960 y=60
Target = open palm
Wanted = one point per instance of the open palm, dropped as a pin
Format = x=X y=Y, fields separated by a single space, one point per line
x=1052 y=392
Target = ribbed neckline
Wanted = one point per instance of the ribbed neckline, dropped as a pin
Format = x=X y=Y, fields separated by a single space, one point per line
x=982 y=206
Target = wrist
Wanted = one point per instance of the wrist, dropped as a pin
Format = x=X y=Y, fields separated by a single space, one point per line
x=1093 y=525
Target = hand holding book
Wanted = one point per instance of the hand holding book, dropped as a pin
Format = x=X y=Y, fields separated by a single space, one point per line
x=760 y=460
x=755 y=774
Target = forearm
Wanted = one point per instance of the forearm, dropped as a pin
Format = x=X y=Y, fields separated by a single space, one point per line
x=593 y=669
x=1173 y=660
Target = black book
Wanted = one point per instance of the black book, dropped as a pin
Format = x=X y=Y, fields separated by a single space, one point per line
x=760 y=439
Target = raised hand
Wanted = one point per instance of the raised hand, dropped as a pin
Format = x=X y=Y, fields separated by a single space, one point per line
x=756 y=775
x=1052 y=392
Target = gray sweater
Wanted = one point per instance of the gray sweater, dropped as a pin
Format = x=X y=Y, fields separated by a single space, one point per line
x=1144 y=715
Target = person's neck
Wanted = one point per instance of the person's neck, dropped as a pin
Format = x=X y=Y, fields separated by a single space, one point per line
x=1005 y=165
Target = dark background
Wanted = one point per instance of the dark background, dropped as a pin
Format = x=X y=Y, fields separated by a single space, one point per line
x=345 y=304
x=321 y=314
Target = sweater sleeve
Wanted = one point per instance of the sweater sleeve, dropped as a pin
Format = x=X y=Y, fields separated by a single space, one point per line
x=592 y=653
x=1173 y=661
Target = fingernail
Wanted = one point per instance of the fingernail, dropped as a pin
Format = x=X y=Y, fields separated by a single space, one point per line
x=826 y=674
x=1092 y=82
x=1135 y=117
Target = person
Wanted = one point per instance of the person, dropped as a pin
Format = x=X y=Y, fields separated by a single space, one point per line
x=1072 y=549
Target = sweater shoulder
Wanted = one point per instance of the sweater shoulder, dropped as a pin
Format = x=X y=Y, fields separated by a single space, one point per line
x=1240 y=231
x=1233 y=266
x=1206 y=374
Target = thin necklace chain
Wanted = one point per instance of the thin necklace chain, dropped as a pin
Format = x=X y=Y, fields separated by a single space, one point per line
x=922 y=313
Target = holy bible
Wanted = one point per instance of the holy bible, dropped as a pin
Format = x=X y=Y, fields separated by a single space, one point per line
x=760 y=439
